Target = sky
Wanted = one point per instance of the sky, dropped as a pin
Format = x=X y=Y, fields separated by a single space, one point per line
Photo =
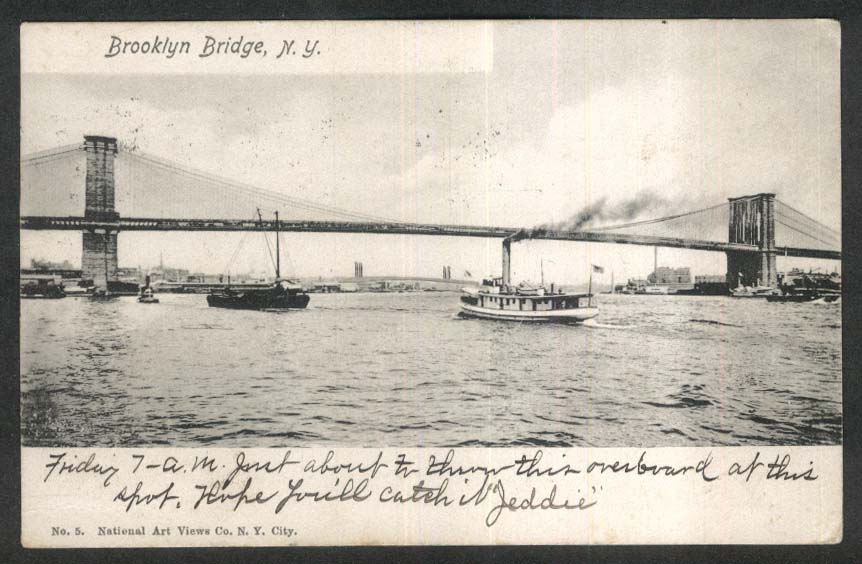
x=568 y=114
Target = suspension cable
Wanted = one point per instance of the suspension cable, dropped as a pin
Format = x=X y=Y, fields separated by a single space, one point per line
x=835 y=231
x=258 y=194
x=248 y=189
x=828 y=233
x=71 y=148
x=808 y=221
x=657 y=220
x=48 y=159
x=804 y=233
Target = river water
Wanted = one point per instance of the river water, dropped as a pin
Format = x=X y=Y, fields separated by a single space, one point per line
x=403 y=369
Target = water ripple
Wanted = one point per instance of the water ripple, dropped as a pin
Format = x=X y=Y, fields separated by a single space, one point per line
x=399 y=369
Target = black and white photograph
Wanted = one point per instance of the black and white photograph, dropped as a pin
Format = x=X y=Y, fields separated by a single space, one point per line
x=603 y=234
x=434 y=282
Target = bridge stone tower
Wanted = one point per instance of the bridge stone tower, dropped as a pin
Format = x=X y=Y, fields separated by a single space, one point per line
x=752 y=222
x=99 y=257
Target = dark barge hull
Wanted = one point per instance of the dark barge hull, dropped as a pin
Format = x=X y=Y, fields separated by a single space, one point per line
x=799 y=298
x=258 y=301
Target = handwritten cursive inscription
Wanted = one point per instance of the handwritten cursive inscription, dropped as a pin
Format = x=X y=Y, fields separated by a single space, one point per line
x=530 y=482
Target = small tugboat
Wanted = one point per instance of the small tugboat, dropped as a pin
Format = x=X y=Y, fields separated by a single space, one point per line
x=147 y=295
x=498 y=299
x=283 y=294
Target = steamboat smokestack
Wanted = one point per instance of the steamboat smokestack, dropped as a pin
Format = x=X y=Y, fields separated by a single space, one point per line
x=507 y=260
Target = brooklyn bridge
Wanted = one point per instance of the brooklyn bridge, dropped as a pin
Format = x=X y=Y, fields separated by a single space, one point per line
x=752 y=230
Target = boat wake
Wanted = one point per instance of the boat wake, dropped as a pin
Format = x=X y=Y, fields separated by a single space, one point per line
x=205 y=327
x=596 y=325
x=713 y=322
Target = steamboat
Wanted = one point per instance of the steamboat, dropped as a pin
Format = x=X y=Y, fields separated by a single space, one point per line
x=499 y=299
x=147 y=296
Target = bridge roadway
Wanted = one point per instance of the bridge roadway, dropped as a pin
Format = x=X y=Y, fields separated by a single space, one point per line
x=151 y=224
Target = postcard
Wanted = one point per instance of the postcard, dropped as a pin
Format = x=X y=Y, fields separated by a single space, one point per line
x=431 y=282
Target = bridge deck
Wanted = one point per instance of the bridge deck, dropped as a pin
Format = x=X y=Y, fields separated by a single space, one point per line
x=151 y=224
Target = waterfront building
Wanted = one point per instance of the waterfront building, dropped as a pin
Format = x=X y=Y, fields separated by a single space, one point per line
x=670 y=280
x=666 y=276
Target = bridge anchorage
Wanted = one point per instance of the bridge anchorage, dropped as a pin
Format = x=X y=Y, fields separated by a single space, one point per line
x=753 y=222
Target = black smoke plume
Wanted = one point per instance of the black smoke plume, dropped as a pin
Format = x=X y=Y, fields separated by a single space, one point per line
x=599 y=212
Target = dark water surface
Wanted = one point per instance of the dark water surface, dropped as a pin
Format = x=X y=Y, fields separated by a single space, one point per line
x=402 y=369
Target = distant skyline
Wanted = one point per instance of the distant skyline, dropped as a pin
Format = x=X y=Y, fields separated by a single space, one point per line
x=570 y=113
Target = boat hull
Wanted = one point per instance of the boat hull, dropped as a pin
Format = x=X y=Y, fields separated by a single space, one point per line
x=758 y=292
x=805 y=298
x=258 y=301
x=577 y=315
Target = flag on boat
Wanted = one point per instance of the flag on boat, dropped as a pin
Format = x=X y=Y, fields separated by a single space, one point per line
x=598 y=269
